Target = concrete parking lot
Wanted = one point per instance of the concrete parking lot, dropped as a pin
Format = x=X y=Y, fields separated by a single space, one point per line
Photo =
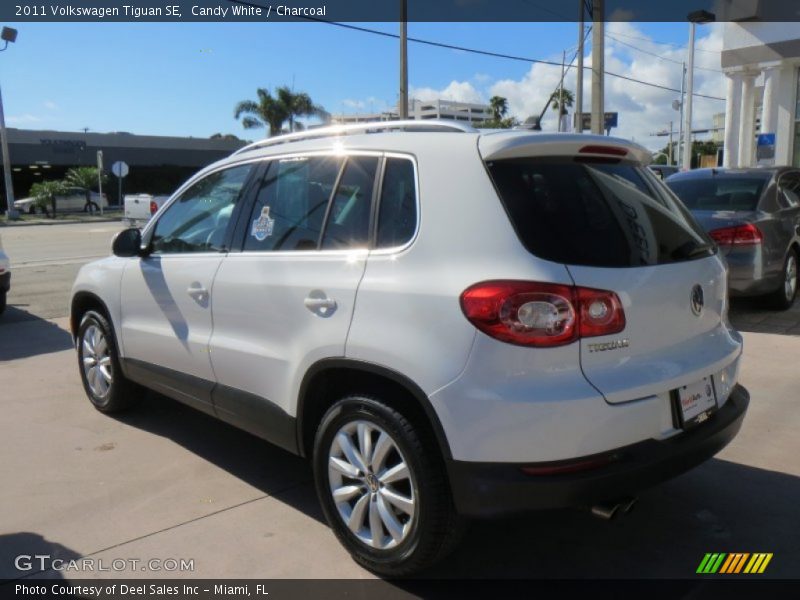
x=165 y=482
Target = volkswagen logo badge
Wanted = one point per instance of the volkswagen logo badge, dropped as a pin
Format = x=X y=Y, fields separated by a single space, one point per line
x=696 y=300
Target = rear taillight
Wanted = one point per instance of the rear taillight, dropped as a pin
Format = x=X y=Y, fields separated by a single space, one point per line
x=541 y=314
x=153 y=207
x=740 y=235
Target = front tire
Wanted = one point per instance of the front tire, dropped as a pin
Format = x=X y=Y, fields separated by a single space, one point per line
x=383 y=488
x=3 y=301
x=783 y=297
x=98 y=362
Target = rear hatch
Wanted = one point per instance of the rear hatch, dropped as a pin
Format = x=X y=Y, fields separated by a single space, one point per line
x=588 y=203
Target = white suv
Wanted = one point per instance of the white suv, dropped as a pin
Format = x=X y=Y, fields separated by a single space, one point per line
x=448 y=323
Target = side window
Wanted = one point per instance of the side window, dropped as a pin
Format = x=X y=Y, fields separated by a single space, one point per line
x=198 y=220
x=291 y=203
x=789 y=191
x=348 y=221
x=397 y=219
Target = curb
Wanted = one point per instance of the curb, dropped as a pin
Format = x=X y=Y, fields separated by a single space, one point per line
x=49 y=222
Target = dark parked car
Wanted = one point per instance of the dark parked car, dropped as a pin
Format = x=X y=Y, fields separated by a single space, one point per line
x=664 y=171
x=754 y=217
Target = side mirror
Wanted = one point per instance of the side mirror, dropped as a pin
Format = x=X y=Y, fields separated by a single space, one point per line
x=127 y=243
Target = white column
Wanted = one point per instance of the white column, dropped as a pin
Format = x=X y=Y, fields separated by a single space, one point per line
x=769 y=110
x=733 y=107
x=747 y=121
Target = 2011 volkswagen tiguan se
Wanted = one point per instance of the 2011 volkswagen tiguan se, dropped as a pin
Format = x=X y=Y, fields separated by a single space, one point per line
x=447 y=323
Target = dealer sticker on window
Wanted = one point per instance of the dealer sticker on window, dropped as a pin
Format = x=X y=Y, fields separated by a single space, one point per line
x=697 y=400
x=263 y=225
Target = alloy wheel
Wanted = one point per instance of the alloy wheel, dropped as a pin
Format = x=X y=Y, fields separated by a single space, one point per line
x=790 y=281
x=372 y=485
x=96 y=359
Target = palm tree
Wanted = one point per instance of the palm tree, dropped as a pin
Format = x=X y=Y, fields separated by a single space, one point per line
x=499 y=106
x=299 y=105
x=568 y=100
x=267 y=112
x=85 y=178
x=273 y=111
x=45 y=193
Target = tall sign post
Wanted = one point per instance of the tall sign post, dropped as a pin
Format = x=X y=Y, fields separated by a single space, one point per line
x=120 y=170
x=100 y=178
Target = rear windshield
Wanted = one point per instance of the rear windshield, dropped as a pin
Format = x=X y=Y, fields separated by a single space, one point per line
x=719 y=193
x=596 y=214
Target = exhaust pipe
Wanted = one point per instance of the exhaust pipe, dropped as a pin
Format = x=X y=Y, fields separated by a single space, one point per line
x=609 y=510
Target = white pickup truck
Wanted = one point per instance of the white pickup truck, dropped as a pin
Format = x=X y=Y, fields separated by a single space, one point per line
x=140 y=207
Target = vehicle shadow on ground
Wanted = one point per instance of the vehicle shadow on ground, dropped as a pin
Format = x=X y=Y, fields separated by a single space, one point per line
x=749 y=314
x=28 y=546
x=718 y=507
x=23 y=334
x=252 y=460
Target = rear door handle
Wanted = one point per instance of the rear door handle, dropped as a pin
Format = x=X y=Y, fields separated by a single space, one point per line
x=319 y=303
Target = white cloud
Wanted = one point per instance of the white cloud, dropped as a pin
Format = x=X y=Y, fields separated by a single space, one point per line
x=23 y=119
x=457 y=91
x=354 y=104
x=50 y=105
x=643 y=110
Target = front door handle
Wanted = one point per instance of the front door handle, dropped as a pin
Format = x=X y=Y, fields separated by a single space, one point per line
x=198 y=292
x=318 y=303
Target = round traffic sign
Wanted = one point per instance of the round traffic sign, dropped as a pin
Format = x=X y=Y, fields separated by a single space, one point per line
x=120 y=169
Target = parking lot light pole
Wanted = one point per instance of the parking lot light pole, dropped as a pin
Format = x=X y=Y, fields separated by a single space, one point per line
x=697 y=17
x=8 y=35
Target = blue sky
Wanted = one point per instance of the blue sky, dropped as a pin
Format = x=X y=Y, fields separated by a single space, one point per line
x=185 y=78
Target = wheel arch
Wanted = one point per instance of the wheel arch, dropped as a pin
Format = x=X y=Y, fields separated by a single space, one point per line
x=328 y=379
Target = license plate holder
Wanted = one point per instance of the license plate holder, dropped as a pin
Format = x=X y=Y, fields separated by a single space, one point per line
x=696 y=402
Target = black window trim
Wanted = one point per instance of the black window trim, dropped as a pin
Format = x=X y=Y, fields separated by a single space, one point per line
x=240 y=233
x=389 y=250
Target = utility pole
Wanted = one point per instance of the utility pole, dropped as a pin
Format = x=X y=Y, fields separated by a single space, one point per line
x=680 y=123
x=598 y=68
x=669 y=148
x=403 y=102
x=579 y=83
x=687 y=113
x=561 y=90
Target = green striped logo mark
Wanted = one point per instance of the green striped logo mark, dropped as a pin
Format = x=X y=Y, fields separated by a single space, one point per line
x=711 y=562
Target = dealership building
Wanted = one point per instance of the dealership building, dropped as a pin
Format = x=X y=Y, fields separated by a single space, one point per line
x=157 y=164
x=761 y=62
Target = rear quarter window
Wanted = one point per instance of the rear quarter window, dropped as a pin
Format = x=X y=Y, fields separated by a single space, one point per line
x=595 y=214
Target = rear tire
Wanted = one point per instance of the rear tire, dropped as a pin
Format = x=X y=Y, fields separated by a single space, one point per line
x=393 y=513
x=3 y=301
x=98 y=361
x=783 y=297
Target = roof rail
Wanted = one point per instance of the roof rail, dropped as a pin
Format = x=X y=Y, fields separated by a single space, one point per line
x=427 y=125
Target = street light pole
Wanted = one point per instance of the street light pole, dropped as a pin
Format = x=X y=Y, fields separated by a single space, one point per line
x=8 y=35
x=697 y=17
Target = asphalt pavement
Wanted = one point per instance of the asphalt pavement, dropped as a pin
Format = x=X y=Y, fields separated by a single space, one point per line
x=165 y=482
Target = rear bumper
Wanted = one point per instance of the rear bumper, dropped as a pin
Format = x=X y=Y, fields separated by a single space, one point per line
x=494 y=489
x=5 y=281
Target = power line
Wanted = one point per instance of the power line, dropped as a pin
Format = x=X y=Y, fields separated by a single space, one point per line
x=679 y=46
x=480 y=52
x=501 y=55
x=643 y=51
